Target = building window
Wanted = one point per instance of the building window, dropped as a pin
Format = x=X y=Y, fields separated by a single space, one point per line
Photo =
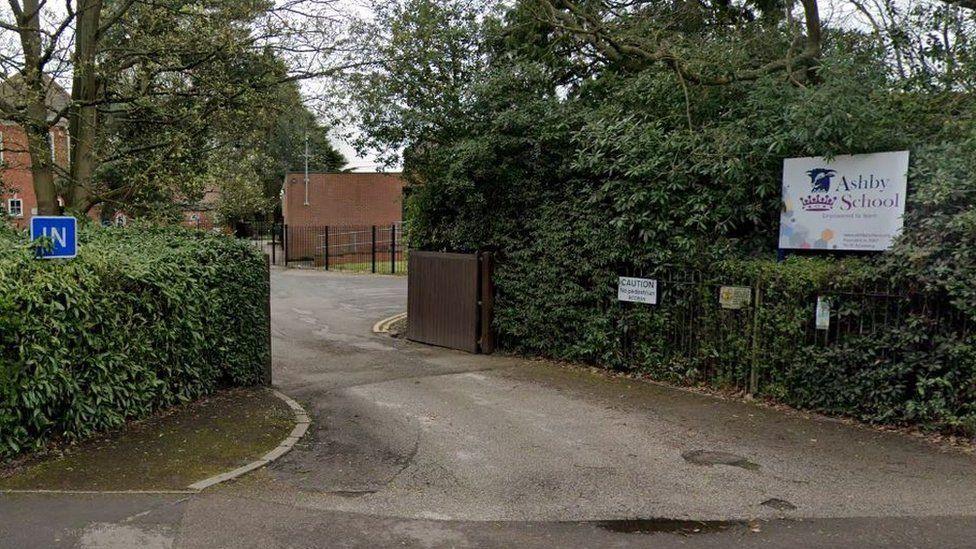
x=51 y=139
x=15 y=207
x=1 y=147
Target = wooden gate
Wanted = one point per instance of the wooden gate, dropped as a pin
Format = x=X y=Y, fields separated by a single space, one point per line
x=450 y=298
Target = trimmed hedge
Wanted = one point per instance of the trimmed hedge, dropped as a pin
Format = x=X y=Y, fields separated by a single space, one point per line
x=896 y=353
x=142 y=319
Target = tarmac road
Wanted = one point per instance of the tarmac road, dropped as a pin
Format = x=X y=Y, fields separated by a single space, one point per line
x=420 y=446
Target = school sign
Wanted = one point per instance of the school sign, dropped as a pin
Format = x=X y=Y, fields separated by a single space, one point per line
x=853 y=202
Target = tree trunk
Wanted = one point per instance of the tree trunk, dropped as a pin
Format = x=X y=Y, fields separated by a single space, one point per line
x=42 y=170
x=35 y=122
x=84 y=115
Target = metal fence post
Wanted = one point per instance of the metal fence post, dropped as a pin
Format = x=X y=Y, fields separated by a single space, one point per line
x=326 y=249
x=486 y=302
x=754 y=362
x=274 y=244
x=284 y=238
x=393 y=248
x=374 y=250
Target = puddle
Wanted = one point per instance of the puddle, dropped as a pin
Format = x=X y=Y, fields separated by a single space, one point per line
x=667 y=526
x=709 y=457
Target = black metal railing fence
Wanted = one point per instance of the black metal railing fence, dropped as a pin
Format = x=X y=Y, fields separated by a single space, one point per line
x=689 y=334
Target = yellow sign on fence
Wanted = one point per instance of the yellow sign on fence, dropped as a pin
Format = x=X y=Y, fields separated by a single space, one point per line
x=734 y=297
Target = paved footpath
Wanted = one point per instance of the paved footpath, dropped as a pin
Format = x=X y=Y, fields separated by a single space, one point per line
x=420 y=446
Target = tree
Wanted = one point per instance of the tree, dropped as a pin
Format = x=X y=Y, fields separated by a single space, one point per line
x=280 y=128
x=564 y=111
x=177 y=60
x=424 y=54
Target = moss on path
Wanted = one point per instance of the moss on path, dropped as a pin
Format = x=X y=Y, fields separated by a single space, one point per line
x=167 y=452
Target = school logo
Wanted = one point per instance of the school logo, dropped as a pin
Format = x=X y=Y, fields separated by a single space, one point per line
x=820 y=179
x=818 y=203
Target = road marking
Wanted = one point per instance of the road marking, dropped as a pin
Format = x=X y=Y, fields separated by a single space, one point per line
x=383 y=326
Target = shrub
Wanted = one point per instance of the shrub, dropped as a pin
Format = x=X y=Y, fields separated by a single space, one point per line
x=896 y=352
x=575 y=171
x=142 y=319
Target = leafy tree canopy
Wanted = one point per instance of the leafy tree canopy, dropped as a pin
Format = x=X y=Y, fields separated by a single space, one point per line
x=653 y=133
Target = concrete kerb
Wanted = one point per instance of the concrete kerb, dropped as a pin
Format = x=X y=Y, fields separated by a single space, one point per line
x=383 y=326
x=302 y=422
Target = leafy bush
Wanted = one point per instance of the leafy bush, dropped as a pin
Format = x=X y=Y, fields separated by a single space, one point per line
x=142 y=319
x=576 y=168
x=896 y=351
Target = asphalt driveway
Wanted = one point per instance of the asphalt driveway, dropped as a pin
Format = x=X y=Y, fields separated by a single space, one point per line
x=420 y=446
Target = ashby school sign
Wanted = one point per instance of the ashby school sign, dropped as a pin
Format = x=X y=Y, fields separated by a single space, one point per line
x=854 y=202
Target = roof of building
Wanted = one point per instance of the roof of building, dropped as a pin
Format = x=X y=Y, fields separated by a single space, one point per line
x=300 y=172
x=57 y=98
x=299 y=176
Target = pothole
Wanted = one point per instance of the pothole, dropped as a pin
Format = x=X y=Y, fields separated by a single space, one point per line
x=667 y=526
x=350 y=493
x=779 y=504
x=710 y=457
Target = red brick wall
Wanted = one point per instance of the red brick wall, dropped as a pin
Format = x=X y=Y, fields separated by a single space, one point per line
x=16 y=170
x=336 y=199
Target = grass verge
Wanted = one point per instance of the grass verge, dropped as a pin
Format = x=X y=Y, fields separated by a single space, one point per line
x=169 y=451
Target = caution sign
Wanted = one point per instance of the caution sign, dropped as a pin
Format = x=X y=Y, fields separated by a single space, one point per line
x=637 y=290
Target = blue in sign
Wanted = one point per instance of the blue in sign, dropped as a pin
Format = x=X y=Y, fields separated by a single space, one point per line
x=63 y=232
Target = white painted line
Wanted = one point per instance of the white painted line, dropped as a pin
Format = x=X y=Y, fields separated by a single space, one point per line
x=302 y=422
x=383 y=326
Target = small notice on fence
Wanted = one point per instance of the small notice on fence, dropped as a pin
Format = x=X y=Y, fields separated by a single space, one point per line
x=637 y=290
x=734 y=297
x=823 y=313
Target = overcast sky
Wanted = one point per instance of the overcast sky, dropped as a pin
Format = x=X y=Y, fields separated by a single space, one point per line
x=354 y=161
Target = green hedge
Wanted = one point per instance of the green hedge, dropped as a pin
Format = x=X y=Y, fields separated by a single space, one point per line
x=142 y=319
x=896 y=353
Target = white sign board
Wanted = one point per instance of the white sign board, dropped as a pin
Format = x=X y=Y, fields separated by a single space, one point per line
x=823 y=313
x=637 y=290
x=853 y=202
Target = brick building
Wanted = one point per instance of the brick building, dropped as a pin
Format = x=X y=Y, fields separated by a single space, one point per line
x=344 y=206
x=202 y=213
x=17 y=188
x=342 y=199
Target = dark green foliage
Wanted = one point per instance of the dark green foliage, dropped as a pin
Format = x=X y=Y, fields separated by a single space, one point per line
x=573 y=193
x=576 y=169
x=143 y=319
x=894 y=354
